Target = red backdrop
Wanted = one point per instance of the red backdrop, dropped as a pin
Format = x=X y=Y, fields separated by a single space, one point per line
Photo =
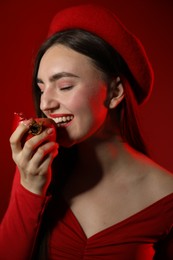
x=23 y=26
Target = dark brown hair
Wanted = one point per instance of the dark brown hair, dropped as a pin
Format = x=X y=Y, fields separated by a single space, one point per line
x=107 y=60
x=111 y=64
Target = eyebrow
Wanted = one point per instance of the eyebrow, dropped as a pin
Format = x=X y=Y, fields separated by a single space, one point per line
x=59 y=75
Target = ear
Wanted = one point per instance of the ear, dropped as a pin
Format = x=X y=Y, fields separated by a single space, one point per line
x=117 y=93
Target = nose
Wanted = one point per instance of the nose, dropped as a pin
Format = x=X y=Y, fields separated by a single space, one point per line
x=49 y=100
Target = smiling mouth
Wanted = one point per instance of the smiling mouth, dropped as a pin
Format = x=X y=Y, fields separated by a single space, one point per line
x=63 y=121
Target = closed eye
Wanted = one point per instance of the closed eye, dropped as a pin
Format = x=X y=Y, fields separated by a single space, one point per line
x=66 y=88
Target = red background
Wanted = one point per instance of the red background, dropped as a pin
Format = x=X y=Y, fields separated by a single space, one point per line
x=23 y=26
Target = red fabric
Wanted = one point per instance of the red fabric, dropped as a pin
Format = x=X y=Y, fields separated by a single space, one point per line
x=20 y=224
x=133 y=238
x=105 y=24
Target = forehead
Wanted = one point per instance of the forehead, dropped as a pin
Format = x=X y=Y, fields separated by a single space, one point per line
x=59 y=54
x=61 y=58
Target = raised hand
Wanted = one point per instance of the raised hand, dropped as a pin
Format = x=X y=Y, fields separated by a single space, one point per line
x=33 y=155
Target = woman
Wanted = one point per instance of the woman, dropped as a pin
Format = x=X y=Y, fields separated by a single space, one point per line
x=92 y=193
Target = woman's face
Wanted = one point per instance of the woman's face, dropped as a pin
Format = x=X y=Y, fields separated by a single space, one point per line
x=73 y=94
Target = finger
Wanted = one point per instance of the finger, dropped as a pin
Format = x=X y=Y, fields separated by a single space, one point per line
x=31 y=145
x=32 y=168
x=49 y=134
x=44 y=168
x=17 y=135
x=39 y=125
x=42 y=152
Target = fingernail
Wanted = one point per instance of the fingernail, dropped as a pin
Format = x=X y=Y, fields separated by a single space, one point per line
x=50 y=130
x=27 y=122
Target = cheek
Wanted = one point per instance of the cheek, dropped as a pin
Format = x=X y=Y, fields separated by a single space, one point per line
x=92 y=108
x=99 y=112
x=98 y=104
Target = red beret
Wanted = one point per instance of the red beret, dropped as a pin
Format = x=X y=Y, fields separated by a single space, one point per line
x=105 y=24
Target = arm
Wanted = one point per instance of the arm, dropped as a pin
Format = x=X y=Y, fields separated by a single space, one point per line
x=21 y=222
x=19 y=227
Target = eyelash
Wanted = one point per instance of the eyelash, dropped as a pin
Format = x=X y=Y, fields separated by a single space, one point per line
x=62 y=89
x=66 y=88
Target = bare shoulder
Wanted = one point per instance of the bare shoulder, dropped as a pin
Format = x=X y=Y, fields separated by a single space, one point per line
x=162 y=178
x=158 y=181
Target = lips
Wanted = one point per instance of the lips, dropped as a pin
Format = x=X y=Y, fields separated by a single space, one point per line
x=62 y=120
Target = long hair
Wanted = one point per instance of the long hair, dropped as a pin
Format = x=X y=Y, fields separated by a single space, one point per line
x=110 y=63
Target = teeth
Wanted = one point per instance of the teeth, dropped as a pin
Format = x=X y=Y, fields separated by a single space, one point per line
x=63 y=119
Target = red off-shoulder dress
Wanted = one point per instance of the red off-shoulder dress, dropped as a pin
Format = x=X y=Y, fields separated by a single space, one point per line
x=136 y=238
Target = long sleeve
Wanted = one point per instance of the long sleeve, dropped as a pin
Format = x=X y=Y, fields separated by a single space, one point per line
x=19 y=227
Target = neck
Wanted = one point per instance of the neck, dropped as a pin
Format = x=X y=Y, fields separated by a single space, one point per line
x=99 y=162
x=104 y=156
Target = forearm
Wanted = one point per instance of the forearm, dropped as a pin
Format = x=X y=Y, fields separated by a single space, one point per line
x=20 y=224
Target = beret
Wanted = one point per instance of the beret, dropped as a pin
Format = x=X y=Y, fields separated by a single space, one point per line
x=105 y=24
